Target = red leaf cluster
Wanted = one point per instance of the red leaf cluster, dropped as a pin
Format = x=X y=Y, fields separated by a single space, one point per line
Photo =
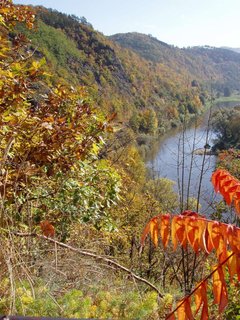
x=191 y=229
x=228 y=186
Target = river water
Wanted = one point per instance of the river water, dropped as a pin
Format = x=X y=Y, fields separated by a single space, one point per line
x=174 y=159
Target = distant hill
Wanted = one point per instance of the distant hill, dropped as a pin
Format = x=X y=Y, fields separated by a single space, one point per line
x=141 y=79
x=232 y=49
x=147 y=46
x=179 y=60
x=119 y=80
x=203 y=63
x=224 y=62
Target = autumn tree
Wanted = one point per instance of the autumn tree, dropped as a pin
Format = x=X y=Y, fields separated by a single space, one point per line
x=50 y=172
x=50 y=136
x=226 y=126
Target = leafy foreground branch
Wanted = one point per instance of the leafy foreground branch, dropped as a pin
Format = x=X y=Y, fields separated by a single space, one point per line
x=203 y=235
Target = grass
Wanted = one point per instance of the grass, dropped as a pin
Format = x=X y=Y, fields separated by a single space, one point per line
x=233 y=98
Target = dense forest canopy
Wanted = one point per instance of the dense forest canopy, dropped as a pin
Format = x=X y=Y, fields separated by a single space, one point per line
x=75 y=194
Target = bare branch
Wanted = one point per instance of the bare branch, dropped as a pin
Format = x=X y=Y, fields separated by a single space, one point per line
x=92 y=255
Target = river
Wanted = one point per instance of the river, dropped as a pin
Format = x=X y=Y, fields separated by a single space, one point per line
x=174 y=159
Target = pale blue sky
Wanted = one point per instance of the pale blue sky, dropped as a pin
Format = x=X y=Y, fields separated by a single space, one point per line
x=177 y=22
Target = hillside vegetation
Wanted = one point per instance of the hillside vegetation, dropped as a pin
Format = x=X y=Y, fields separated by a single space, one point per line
x=205 y=64
x=147 y=83
x=76 y=202
x=119 y=80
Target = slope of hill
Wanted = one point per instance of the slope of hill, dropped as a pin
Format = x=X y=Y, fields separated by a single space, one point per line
x=232 y=49
x=202 y=63
x=226 y=64
x=146 y=46
x=121 y=81
x=146 y=82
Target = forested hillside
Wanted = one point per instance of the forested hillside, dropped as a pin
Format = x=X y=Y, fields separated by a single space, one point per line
x=84 y=231
x=218 y=65
x=232 y=49
x=177 y=59
x=142 y=80
x=120 y=81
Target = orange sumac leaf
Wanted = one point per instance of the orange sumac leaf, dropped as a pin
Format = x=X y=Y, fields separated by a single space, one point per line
x=225 y=182
x=165 y=229
x=184 y=311
x=145 y=233
x=233 y=265
x=233 y=237
x=228 y=186
x=219 y=288
x=238 y=265
x=153 y=227
x=155 y=230
x=195 y=229
x=201 y=300
x=217 y=176
x=237 y=201
x=228 y=191
x=189 y=213
x=173 y=233
x=216 y=232
x=179 y=231
x=208 y=246
x=47 y=228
